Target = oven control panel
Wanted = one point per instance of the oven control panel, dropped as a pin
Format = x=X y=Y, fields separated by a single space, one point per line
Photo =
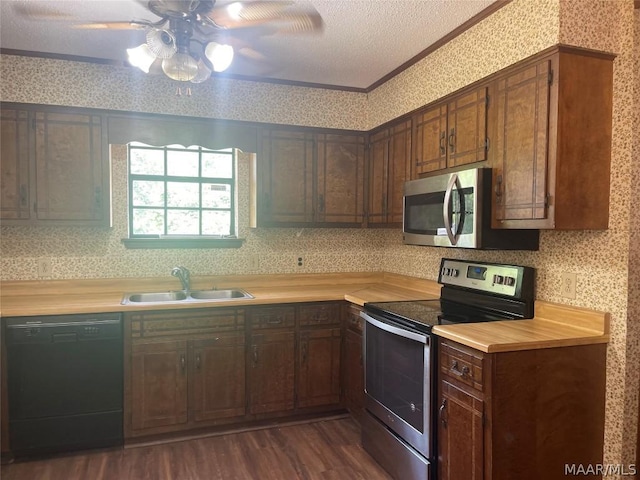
x=494 y=278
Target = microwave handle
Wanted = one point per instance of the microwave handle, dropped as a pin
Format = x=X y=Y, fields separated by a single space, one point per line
x=453 y=181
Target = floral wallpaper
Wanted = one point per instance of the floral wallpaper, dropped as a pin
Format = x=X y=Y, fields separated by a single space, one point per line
x=602 y=260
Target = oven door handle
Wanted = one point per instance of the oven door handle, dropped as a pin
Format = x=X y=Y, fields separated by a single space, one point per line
x=446 y=213
x=418 y=337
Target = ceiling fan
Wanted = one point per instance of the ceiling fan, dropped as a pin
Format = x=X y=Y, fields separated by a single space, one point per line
x=194 y=38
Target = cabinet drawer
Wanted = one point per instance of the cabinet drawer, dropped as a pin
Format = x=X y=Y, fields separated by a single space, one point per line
x=353 y=319
x=461 y=364
x=273 y=317
x=195 y=322
x=319 y=314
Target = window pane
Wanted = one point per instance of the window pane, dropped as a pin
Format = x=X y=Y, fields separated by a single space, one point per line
x=181 y=194
x=216 y=223
x=183 y=222
x=215 y=195
x=148 y=222
x=217 y=165
x=147 y=162
x=182 y=164
x=150 y=194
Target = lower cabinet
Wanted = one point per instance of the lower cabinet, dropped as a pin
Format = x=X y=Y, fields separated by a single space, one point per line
x=159 y=386
x=186 y=369
x=353 y=368
x=189 y=369
x=527 y=414
x=319 y=367
x=271 y=376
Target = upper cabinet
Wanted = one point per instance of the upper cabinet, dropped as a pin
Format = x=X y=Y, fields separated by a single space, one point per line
x=55 y=169
x=451 y=133
x=305 y=178
x=551 y=141
x=389 y=167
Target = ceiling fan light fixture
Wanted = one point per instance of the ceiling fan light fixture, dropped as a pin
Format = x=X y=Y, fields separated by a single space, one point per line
x=203 y=74
x=220 y=55
x=141 y=57
x=161 y=42
x=181 y=67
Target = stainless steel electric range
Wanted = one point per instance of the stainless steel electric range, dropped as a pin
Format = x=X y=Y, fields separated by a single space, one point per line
x=400 y=357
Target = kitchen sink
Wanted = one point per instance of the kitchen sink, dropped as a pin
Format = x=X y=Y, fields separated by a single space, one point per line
x=155 y=297
x=181 y=297
x=219 y=294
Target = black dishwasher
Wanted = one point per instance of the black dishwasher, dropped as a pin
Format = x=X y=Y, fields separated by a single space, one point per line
x=65 y=382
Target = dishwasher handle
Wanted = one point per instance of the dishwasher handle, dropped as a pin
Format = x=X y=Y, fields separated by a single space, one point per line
x=70 y=337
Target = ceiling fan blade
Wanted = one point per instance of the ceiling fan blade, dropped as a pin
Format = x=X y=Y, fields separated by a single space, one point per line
x=241 y=14
x=251 y=54
x=132 y=25
x=36 y=12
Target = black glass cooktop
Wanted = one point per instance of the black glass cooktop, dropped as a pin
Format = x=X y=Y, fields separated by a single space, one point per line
x=424 y=314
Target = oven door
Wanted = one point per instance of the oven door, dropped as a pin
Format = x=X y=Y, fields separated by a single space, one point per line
x=443 y=211
x=399 y=380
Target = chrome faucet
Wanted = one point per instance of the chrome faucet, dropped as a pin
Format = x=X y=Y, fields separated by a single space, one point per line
x=184 y=276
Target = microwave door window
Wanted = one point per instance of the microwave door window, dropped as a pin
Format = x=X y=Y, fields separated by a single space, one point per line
x=423 y=213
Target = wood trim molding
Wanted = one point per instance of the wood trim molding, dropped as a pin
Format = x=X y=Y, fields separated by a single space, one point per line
x=491 y=9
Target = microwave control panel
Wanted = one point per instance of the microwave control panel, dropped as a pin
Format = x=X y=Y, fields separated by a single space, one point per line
x=494 y=278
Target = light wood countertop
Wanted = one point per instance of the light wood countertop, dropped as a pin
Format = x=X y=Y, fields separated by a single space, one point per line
x=554 y=325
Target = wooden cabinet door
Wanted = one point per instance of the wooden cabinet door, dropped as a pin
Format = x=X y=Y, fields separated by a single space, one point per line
x=340 y=179
x=353 y=373
x=69 y=168
x=15 y=201
x=217 y=377
x=520 y=144
x=467 y=128
x=286 y=165
x=430 y=140
x=460 y=434
x=319 y=367
x=389 y=168
x=271 y=370
x=399 y=170
x=378 y=165
x=159 y=385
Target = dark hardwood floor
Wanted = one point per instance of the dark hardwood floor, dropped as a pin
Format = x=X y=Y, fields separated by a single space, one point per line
x=327 y=450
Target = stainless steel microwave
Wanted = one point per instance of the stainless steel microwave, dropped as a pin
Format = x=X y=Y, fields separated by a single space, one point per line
x=454 y=210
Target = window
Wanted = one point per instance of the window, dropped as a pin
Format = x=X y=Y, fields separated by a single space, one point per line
x=179 y=192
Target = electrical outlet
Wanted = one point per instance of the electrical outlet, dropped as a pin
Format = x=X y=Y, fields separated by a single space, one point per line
x=300 y=261
x=568 y=283
x=44 y=267
x=254 y=262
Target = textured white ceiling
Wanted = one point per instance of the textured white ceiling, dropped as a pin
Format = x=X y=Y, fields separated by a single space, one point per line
x=363 y=40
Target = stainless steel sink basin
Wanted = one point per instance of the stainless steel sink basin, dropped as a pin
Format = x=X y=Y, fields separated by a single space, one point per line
x=155 y=297
x=180 y=297
x=228 y=294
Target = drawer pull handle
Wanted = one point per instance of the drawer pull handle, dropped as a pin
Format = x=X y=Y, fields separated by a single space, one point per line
x=255 y=355
x=455 y=369
x=183 y=362
x=441 y=412
x=273 y=321
x=198 y=361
